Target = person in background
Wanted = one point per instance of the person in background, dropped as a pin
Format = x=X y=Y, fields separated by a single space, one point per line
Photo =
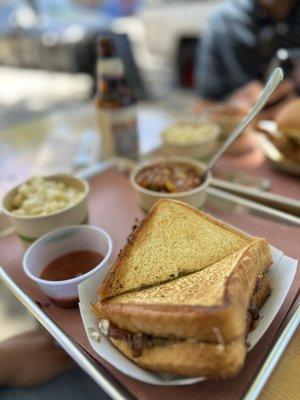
x=237 y=47
x=33 y=367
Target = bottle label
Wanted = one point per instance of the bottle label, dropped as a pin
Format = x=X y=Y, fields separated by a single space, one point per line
x=110 y=67
x=119 y=132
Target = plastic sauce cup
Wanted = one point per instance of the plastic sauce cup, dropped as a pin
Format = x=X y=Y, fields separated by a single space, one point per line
x=60 y=242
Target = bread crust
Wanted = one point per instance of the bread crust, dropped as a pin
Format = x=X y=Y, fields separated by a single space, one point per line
x=259 y=297
x=188 y=358
x=225 y=322
x=108 y=289
x=192 y=358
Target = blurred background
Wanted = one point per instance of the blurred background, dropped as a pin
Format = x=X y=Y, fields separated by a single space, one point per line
x=47 y=56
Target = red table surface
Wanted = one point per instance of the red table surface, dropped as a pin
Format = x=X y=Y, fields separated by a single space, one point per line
x=113 y=206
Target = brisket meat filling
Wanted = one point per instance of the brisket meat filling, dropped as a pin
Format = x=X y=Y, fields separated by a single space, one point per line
x=139 y=341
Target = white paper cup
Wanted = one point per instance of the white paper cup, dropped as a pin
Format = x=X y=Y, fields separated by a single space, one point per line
x=198 y=149
x=195 y=197
x=228 y=125
x=58 y=243
x=30 y=228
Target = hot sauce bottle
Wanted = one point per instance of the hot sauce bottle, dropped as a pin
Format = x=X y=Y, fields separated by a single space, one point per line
x=115 y=104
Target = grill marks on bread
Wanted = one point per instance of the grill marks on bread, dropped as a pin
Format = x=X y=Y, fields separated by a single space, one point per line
x=173 y=240
x=205 y=287
x=195 y=304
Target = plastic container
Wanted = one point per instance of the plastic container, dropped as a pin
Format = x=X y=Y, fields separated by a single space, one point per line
x=60 y=242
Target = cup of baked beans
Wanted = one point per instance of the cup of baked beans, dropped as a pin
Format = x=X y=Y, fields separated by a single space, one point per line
x=177 y=178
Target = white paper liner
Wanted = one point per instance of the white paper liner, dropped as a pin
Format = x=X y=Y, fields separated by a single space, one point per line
x=281 y=276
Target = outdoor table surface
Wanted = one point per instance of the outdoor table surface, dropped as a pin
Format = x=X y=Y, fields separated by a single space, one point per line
x=27 y=149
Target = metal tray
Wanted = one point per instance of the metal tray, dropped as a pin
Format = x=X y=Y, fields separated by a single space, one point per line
x=99 y=373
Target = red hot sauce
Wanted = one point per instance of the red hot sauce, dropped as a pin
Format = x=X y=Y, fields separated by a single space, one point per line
x=68 y=266
x=71 y=265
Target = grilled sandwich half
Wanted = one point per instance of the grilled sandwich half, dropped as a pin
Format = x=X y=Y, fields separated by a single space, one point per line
x=173 y=240
x=194 y=323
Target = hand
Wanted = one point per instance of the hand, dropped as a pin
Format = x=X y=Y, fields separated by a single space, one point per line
x=203 y=105
x=248 y=94
x=30 y=359
x=284 y=91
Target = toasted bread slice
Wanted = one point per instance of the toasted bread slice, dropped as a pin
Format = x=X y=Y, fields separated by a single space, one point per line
x=205 y=305
x=188 y=358
x=261 y=292
x=173 y=240
x=194 y=358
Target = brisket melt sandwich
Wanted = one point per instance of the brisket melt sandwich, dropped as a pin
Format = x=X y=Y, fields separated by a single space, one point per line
x=184 y=293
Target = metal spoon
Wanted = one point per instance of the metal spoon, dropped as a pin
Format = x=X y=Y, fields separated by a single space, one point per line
x=271 y=85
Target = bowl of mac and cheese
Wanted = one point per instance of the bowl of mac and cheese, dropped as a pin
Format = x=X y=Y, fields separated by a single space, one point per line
x=42 y=204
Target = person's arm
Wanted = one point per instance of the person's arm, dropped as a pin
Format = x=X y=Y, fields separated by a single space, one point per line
x=248 y=94
x=203 y=105
x=31 y=358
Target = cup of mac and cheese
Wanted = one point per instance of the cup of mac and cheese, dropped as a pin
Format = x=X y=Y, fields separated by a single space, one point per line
x=42 y=204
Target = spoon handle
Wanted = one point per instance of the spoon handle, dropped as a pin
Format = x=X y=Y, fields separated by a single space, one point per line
x=271 y=85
